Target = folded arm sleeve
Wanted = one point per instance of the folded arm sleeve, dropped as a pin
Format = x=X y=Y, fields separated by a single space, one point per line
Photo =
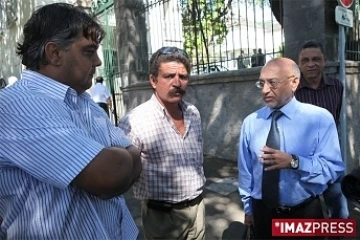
x=45 y=143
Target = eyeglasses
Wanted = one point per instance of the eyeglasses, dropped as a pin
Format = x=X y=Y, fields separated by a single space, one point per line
x=272 y=83
x=172 y=50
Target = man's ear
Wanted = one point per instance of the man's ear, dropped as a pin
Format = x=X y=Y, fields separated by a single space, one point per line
x=152 y=80
x=295 y=83
x=53 y=54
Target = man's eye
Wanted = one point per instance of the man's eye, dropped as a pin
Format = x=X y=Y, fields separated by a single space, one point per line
x=89 y=52
x=273 y=82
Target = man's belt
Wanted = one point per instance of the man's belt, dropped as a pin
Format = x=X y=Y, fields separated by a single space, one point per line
x=166 y=206
x=285 y=209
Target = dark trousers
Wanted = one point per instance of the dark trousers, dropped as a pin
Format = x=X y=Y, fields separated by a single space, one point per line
x=105 y=107
x=262 y=216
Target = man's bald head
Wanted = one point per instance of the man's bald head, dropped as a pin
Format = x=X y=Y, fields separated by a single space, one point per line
x=286 y=64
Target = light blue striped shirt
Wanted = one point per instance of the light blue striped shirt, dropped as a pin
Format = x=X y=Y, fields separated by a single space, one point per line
x=48 y=134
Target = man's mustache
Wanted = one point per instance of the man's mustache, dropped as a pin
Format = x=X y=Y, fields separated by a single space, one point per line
x=178 y=90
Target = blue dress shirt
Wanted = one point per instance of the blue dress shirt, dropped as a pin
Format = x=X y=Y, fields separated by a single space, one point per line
x=307 y=131
x=48 y=134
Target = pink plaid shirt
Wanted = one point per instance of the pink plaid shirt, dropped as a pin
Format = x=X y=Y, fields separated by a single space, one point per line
x=172 y=163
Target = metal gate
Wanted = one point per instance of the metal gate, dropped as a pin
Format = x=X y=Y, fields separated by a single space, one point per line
x=104 y=10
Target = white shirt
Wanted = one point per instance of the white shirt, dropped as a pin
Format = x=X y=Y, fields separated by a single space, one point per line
x=99 y=93
x=172 y=164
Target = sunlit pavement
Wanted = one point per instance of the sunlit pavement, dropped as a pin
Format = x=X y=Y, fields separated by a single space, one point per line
x=224 y=211
x=224 y=214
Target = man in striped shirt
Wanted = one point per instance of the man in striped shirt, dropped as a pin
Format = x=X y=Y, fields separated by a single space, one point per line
x=167 y=131
x=63 y=165
x=324 y=91
x=315 y=86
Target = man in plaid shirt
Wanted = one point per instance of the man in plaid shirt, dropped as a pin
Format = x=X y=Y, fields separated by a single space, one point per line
x=167 y=131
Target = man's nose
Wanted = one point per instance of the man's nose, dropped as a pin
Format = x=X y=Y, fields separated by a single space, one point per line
x=97 y=61
x=177 y=81
x=311 y=64
x=266 y=88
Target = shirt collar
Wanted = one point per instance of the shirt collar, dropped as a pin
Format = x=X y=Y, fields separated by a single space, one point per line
x=49 y=86
x=325 y=80
x=159 y=106
x=288 y=109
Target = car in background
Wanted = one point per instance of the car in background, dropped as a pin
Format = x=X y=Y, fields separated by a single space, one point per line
x=211 y=68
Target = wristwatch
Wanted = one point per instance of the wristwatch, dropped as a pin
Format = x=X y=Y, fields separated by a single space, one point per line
x=294 y=164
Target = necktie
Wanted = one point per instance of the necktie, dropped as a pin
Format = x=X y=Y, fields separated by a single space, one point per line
x=270 y=180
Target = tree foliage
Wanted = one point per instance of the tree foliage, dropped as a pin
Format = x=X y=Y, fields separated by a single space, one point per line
x=204 y=24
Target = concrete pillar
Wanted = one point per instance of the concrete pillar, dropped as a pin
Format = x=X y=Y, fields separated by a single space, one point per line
x=131 y=40
x=309 y=20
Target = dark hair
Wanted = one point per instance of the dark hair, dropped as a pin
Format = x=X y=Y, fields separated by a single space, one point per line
x=168 y=54
x=60 y=23
x=2 y=83
x=313 y=44
x=99 y=79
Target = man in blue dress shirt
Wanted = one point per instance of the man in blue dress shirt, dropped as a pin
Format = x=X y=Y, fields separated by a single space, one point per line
x=63 y=165
x=307 y=159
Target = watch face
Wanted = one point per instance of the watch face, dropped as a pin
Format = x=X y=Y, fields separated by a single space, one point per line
x=294 y=163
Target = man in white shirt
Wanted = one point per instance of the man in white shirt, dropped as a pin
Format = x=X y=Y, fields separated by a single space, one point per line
x=101 y=95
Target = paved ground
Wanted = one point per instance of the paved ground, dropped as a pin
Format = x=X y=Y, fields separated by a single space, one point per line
x=224 y=211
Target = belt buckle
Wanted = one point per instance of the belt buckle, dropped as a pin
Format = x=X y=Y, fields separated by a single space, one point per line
x=283 y=209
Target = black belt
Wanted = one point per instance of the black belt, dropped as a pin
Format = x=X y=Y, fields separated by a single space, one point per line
x=285 y=209
x=166 y=206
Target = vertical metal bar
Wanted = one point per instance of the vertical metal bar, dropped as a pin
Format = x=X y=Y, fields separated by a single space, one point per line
x=263 y=26
x=239 y=22
x=342 y=76
x=255 y=27
x=247 y=28
x=233 y=54
x=282 y=29
x=357 y=31
x=194 y=18
x=272 y=34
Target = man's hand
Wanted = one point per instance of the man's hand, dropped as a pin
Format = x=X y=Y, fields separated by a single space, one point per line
x=274 y=159
x=248 y=220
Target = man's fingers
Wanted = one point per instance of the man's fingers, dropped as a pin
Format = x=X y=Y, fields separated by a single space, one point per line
x=269 y=150
x=272 y=167
x=269 y=162
x=267 y=157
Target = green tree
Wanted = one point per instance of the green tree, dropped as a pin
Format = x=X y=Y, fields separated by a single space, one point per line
x=204 y=24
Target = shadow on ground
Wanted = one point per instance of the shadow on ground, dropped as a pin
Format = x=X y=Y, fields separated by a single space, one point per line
x=224 y=211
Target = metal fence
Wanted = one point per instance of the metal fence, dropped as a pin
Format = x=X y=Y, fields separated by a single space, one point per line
x=218 y=35
x=353 y=35
x=108 y=54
